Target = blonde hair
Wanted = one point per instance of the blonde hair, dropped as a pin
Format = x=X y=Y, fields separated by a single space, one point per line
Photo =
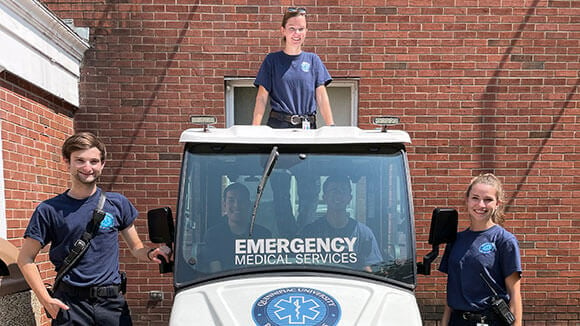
x=490 y=179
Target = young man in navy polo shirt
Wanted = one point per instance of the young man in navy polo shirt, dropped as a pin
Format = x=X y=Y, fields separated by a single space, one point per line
x=90 y=292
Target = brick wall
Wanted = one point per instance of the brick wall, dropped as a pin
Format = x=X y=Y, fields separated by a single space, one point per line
x=480 y=86
x=34 y=125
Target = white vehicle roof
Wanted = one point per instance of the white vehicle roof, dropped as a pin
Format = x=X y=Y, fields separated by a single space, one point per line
x=266 y=135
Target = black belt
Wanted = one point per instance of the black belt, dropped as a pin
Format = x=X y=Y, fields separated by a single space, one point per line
x=473 y=316
x=91 y=292
x=476 y=316
x=294 y=119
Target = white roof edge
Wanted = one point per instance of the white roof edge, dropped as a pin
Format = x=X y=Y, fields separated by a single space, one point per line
x=267 y=135
x=40 y=48
x=39 y=16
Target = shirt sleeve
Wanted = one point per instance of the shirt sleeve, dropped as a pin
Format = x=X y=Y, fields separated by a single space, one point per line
x=37 y=228
x=510 y=255
x=322 y=75
x=127 y=212
x=264 y=76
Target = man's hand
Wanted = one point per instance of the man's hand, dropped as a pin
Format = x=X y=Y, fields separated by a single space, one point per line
x=52 y=306
x=163 y=251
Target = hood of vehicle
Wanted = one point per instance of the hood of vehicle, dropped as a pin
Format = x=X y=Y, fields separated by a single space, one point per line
x=295 y=301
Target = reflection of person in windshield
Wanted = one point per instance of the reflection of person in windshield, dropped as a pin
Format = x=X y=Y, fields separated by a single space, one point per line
x=220 y=239
x=337 y=223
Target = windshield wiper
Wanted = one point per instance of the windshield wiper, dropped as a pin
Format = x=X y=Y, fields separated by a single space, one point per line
x=267 y=170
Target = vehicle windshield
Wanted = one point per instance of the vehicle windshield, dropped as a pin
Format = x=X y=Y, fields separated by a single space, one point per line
x=320 y=209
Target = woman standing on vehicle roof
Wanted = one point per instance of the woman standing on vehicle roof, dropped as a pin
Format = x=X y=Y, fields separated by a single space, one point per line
x=482 y=261
x=294 y=80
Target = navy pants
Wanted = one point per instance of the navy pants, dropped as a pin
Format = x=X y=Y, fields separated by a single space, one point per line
x=93 y=311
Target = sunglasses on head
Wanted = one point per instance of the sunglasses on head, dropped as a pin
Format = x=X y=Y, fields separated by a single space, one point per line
x=299 y=10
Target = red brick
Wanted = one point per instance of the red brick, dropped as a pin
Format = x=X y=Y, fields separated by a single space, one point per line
x=478 y=87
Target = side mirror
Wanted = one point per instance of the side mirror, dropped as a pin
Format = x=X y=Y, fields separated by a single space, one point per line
x=443 y=226
x=162 y=230
x=443 y=230
x=160 y=223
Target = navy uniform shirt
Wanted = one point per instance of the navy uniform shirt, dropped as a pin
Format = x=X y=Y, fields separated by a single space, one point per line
x=291 y=81
x=62 y=220
x=494 y=252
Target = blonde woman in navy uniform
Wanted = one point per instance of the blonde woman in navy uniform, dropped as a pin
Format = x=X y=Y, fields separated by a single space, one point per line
x=483 y=252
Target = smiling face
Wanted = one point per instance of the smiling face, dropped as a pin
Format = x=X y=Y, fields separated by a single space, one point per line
x=337 y=193
x=294 y=32
x=236 y=205
x=481 y=204
x=85 y=166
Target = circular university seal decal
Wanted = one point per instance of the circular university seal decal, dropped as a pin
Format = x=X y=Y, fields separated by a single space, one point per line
x=296 y=306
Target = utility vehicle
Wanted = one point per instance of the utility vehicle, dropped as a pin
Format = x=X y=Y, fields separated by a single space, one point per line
x=292 y=277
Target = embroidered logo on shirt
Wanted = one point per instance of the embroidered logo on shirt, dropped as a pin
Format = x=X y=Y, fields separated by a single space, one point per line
x=107 y=222
x=305 y=66
x=487 y=247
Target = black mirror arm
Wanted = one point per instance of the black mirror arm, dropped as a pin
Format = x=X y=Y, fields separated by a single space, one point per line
x=425 y=266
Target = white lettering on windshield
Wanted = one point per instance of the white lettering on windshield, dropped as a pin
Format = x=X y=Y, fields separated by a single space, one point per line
x=275 y=251
x=295 y=246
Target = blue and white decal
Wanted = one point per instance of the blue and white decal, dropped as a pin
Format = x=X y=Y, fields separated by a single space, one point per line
x=296 y=306
x=487 y=248
x=108 y=222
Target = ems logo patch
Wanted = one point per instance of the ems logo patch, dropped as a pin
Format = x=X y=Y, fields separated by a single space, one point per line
x=108 y=222
x=487 y=247
x=296 y=306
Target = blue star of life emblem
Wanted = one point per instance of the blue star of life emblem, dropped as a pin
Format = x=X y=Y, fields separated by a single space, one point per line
x=296 y=306
x=296 y=310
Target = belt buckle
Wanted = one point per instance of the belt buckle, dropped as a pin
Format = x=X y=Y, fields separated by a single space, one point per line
x=479 y=318
x=468 y=315
x=103 y=292
x=295 y=119
x=94 y=292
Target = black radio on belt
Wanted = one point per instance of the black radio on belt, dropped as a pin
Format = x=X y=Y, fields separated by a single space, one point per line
x=498 y=305
x=501 y=309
